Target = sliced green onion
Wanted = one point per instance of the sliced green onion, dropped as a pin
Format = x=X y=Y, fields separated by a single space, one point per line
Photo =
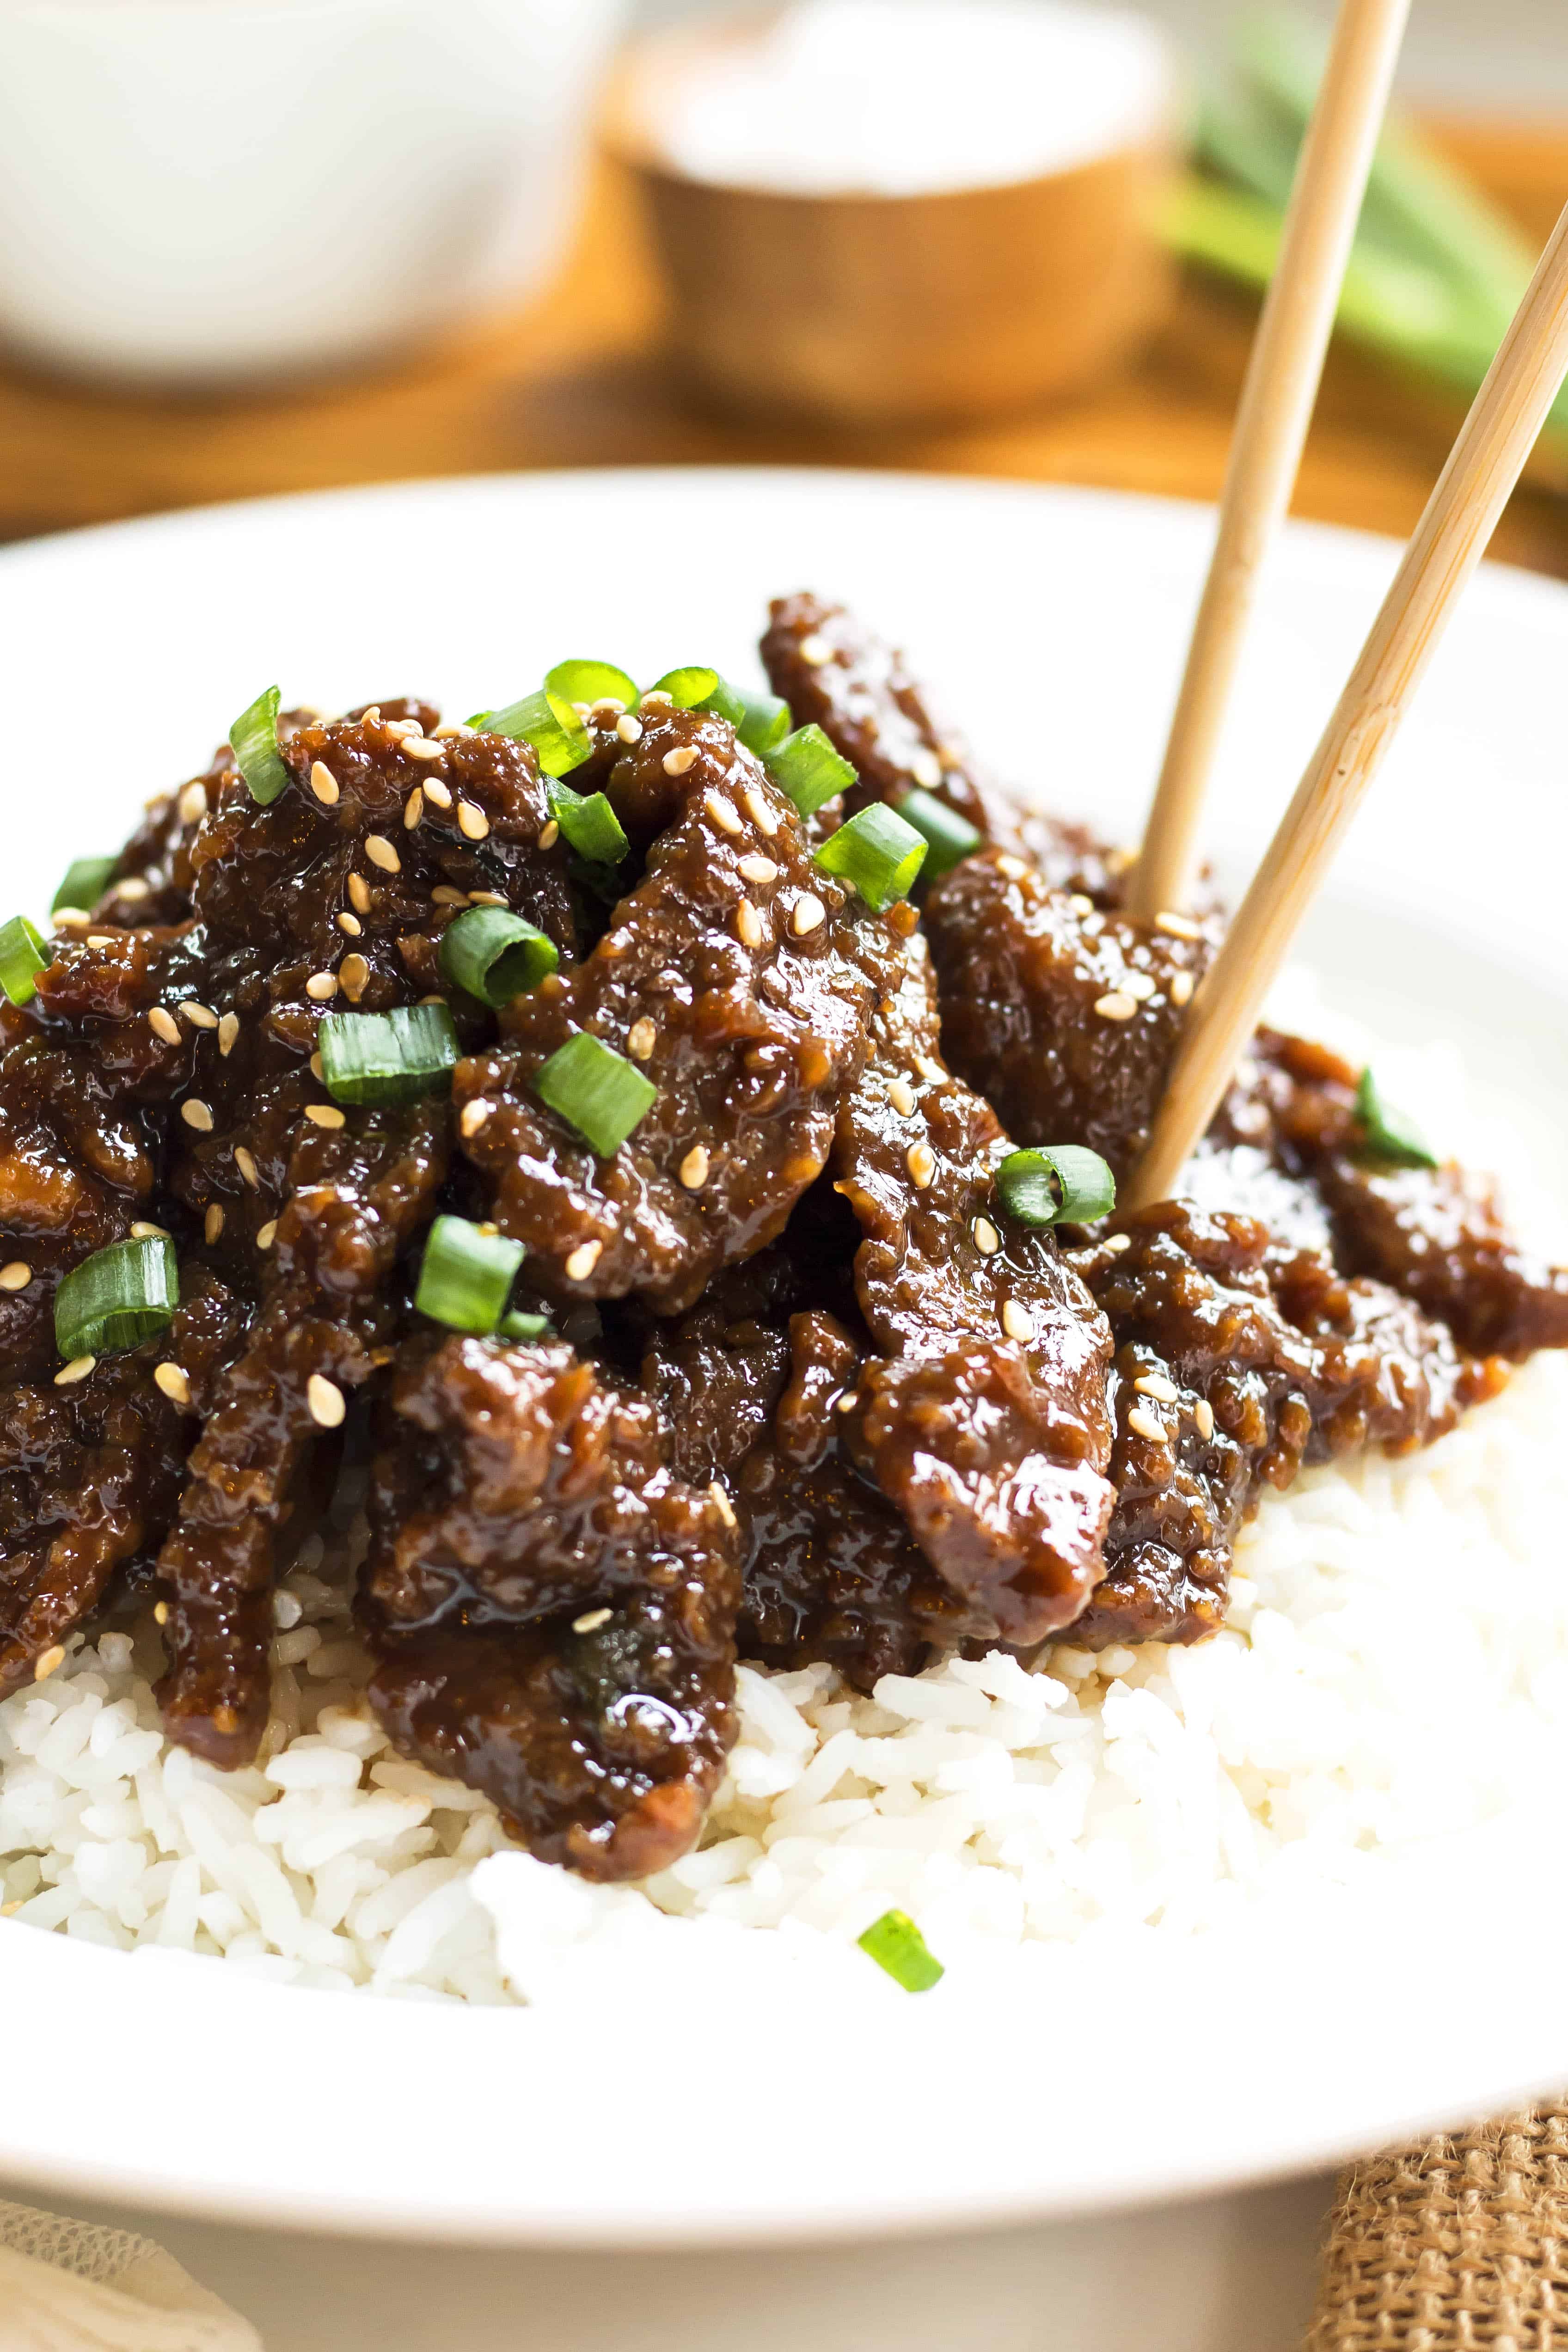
x=495 y=955
x=467 y=1276
x=591 y=682
x=760 y=721
x=590 y=824
x=559 y=741
x=896 y=1944
x=388 y=1057
x=117 y=1298
x=1389 y=1134
x=1065 y=1184
x=253 y=739
x=525 y=1326
x=22 y=955
x=595 y=1090
x=878 y=853
x=689 y=689
x=950 y=836
x=806 y=767
x=85 y=881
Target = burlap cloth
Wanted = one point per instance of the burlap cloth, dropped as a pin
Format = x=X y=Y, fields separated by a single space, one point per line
x=1459 y=2241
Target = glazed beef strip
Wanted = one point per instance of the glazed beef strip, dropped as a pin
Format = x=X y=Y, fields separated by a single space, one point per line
x=553 y=1608
x=731 y=976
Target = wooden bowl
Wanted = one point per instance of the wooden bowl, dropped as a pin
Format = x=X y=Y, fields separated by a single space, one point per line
x=868 y=310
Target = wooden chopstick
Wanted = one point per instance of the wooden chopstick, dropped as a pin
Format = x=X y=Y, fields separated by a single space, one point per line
x=1276 y=409
x=1462 y=513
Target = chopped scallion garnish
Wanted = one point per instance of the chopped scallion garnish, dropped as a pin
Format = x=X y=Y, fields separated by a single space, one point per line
x=806 y=767
x=878 y=853
x=951 y=836
x=1389 y=1134
x=495 y=954
x=525 y=1326
x=1065 y=1185
x=687 y=688
x=561 y=742
x=85 y=881
x=760 y=721
x=590 y=824
x=253 y=739
x=591 y=682
x=117 y=1298
x=595 y=1090
x=23 y=956
x=388 y=1057
x=467 y=1276
x=896 y=1944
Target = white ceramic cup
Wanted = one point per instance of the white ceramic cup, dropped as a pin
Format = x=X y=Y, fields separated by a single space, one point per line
x=202 y=189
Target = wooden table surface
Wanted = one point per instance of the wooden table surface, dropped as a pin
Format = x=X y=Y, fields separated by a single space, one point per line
x=578 y=380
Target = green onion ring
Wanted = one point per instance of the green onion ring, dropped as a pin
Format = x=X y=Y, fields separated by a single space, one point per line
x=896 y=1944
x=876 y=852
x=495 y=954
x=253 y=739
x=595 y=1090
x=1389 y=1135
x=465 y=1276
x=117 y=1298
x=388 y=1057
x=23 y=956
x=950 y=836
x=1062 y=1185
x=807 y=769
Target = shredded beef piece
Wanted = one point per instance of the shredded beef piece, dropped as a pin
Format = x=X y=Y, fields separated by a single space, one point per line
x=749 y=1026
x=1242 y=1360
x=983 y=1417
x=554 y=1609
x=1023 y=969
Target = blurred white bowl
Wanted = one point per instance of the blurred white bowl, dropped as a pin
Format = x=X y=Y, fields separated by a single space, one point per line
x=211 y=189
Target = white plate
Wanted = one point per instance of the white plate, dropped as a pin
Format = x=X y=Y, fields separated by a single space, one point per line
x=1054 y=619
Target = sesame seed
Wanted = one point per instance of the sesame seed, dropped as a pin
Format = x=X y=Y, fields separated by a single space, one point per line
x=173 y=1383
x=228 y=1030
x=1203 y=1418
x=420 y=747
x=720 y=810
x=380 y=852
x=317 y=1070
x=926 y=770
x=101 y=939
x=987 y=1240
x=472 y=822
x=1117 y=1243
x=931 y=1069
x=1140 y=985
x=325 y=1400
x=436 y=792
x=683 y=757
x=1117 y=1006
x=1015 y=869
x=323 y=1114
x=1180 y=988
x=354 y=975
x=323 y=783
x=133 y=887
x=628 y=729
x=694 y=1168
x=1180 y=927
x=655 y=698
x=814 y=651
x=748 y=925
x=806 y=914
x=322 y=986
x=847 y=1402
x=351 y=925
x=757 y=809
x=758 y=869
x=1080 y=905
x=722 y=1504
x=163 y=1024
x=17 y=1275
x=584 y=1259
x=160 y=1612
x=142 y=1232
x=64 y=914
x=1155 y=1385
x=398 y=728
x=196 y=1114
x=486 y=899
x=193 y=804
x=212 y=1223
x=76 y=1369
x=200 y=1016
x=920 y=1162
x=413 y=808
x=550 y=835
x=591 y=1619
x=359 y=893
x=246 y=1162
x=50 y=1663
x=444 y=895
x=370 y=716
x=902 y=1094
x=473 y=1116
x=641 y=1039
x=267 y=1234
x=1016 y=1321
x=1145 y=1425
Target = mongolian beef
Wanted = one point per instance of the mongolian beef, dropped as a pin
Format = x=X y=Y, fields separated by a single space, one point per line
x=651 y=1158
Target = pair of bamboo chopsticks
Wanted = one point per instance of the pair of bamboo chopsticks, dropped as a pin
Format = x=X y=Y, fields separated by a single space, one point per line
x=1463 y=511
